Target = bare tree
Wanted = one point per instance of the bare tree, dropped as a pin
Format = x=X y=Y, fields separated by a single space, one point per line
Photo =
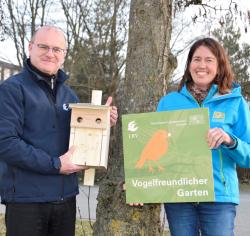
x=24 y=17
x=97 y=34
x=149 y=64
x=200 y=20
x=148 y=69
x=2 y=24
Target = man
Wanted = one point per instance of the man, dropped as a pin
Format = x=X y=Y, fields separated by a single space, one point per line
x=39 y=182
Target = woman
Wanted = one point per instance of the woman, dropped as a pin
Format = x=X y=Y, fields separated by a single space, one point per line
x=208 y=82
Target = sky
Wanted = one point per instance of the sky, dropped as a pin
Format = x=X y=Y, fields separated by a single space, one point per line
x=183 y=27
x=7 y=51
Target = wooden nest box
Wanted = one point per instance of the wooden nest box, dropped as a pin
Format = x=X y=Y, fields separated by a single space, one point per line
x=90 y=131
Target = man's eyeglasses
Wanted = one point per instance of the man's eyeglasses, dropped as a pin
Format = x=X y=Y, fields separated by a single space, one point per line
x=45 y=48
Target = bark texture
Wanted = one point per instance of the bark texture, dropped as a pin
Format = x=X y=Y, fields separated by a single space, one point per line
x=149 y=64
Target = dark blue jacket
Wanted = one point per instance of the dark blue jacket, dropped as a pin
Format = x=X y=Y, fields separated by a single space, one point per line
x=34 y=132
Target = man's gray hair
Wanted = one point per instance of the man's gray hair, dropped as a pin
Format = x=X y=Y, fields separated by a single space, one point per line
x=48 y=27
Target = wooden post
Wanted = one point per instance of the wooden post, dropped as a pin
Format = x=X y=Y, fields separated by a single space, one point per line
x=89 y=175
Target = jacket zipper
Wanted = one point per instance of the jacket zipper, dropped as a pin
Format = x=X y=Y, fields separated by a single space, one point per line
x=191 y=96
x=52 y=83
x=14 y=183
x=220 y=155
x=50 y=95
x=222 y=172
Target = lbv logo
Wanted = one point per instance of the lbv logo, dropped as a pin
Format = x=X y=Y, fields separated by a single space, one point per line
x=132 y=128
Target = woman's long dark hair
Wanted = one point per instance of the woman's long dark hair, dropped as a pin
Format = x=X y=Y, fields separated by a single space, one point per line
x=224 y=78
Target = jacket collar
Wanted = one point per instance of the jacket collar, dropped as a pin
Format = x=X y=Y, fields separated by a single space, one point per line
x=213 y=93
x=60 y=77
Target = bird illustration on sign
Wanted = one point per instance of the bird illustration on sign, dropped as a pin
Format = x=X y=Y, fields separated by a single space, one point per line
x=154 y=150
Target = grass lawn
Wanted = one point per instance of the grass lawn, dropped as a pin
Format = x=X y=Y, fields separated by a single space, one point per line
x=2 y=227
x=245 y=187
x=83 y=228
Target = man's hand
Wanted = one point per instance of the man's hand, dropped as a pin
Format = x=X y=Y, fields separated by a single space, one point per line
x=67 y=167
x=113 y=112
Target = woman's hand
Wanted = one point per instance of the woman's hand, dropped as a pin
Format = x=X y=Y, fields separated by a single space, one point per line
x=134 y=203
x=217 y=136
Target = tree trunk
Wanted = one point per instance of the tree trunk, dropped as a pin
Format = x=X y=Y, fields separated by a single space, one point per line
x=149 y=64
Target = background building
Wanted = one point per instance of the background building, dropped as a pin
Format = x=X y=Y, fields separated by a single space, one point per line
x=7 y=69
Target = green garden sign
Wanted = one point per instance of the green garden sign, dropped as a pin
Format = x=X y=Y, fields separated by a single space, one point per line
x=166 y=157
